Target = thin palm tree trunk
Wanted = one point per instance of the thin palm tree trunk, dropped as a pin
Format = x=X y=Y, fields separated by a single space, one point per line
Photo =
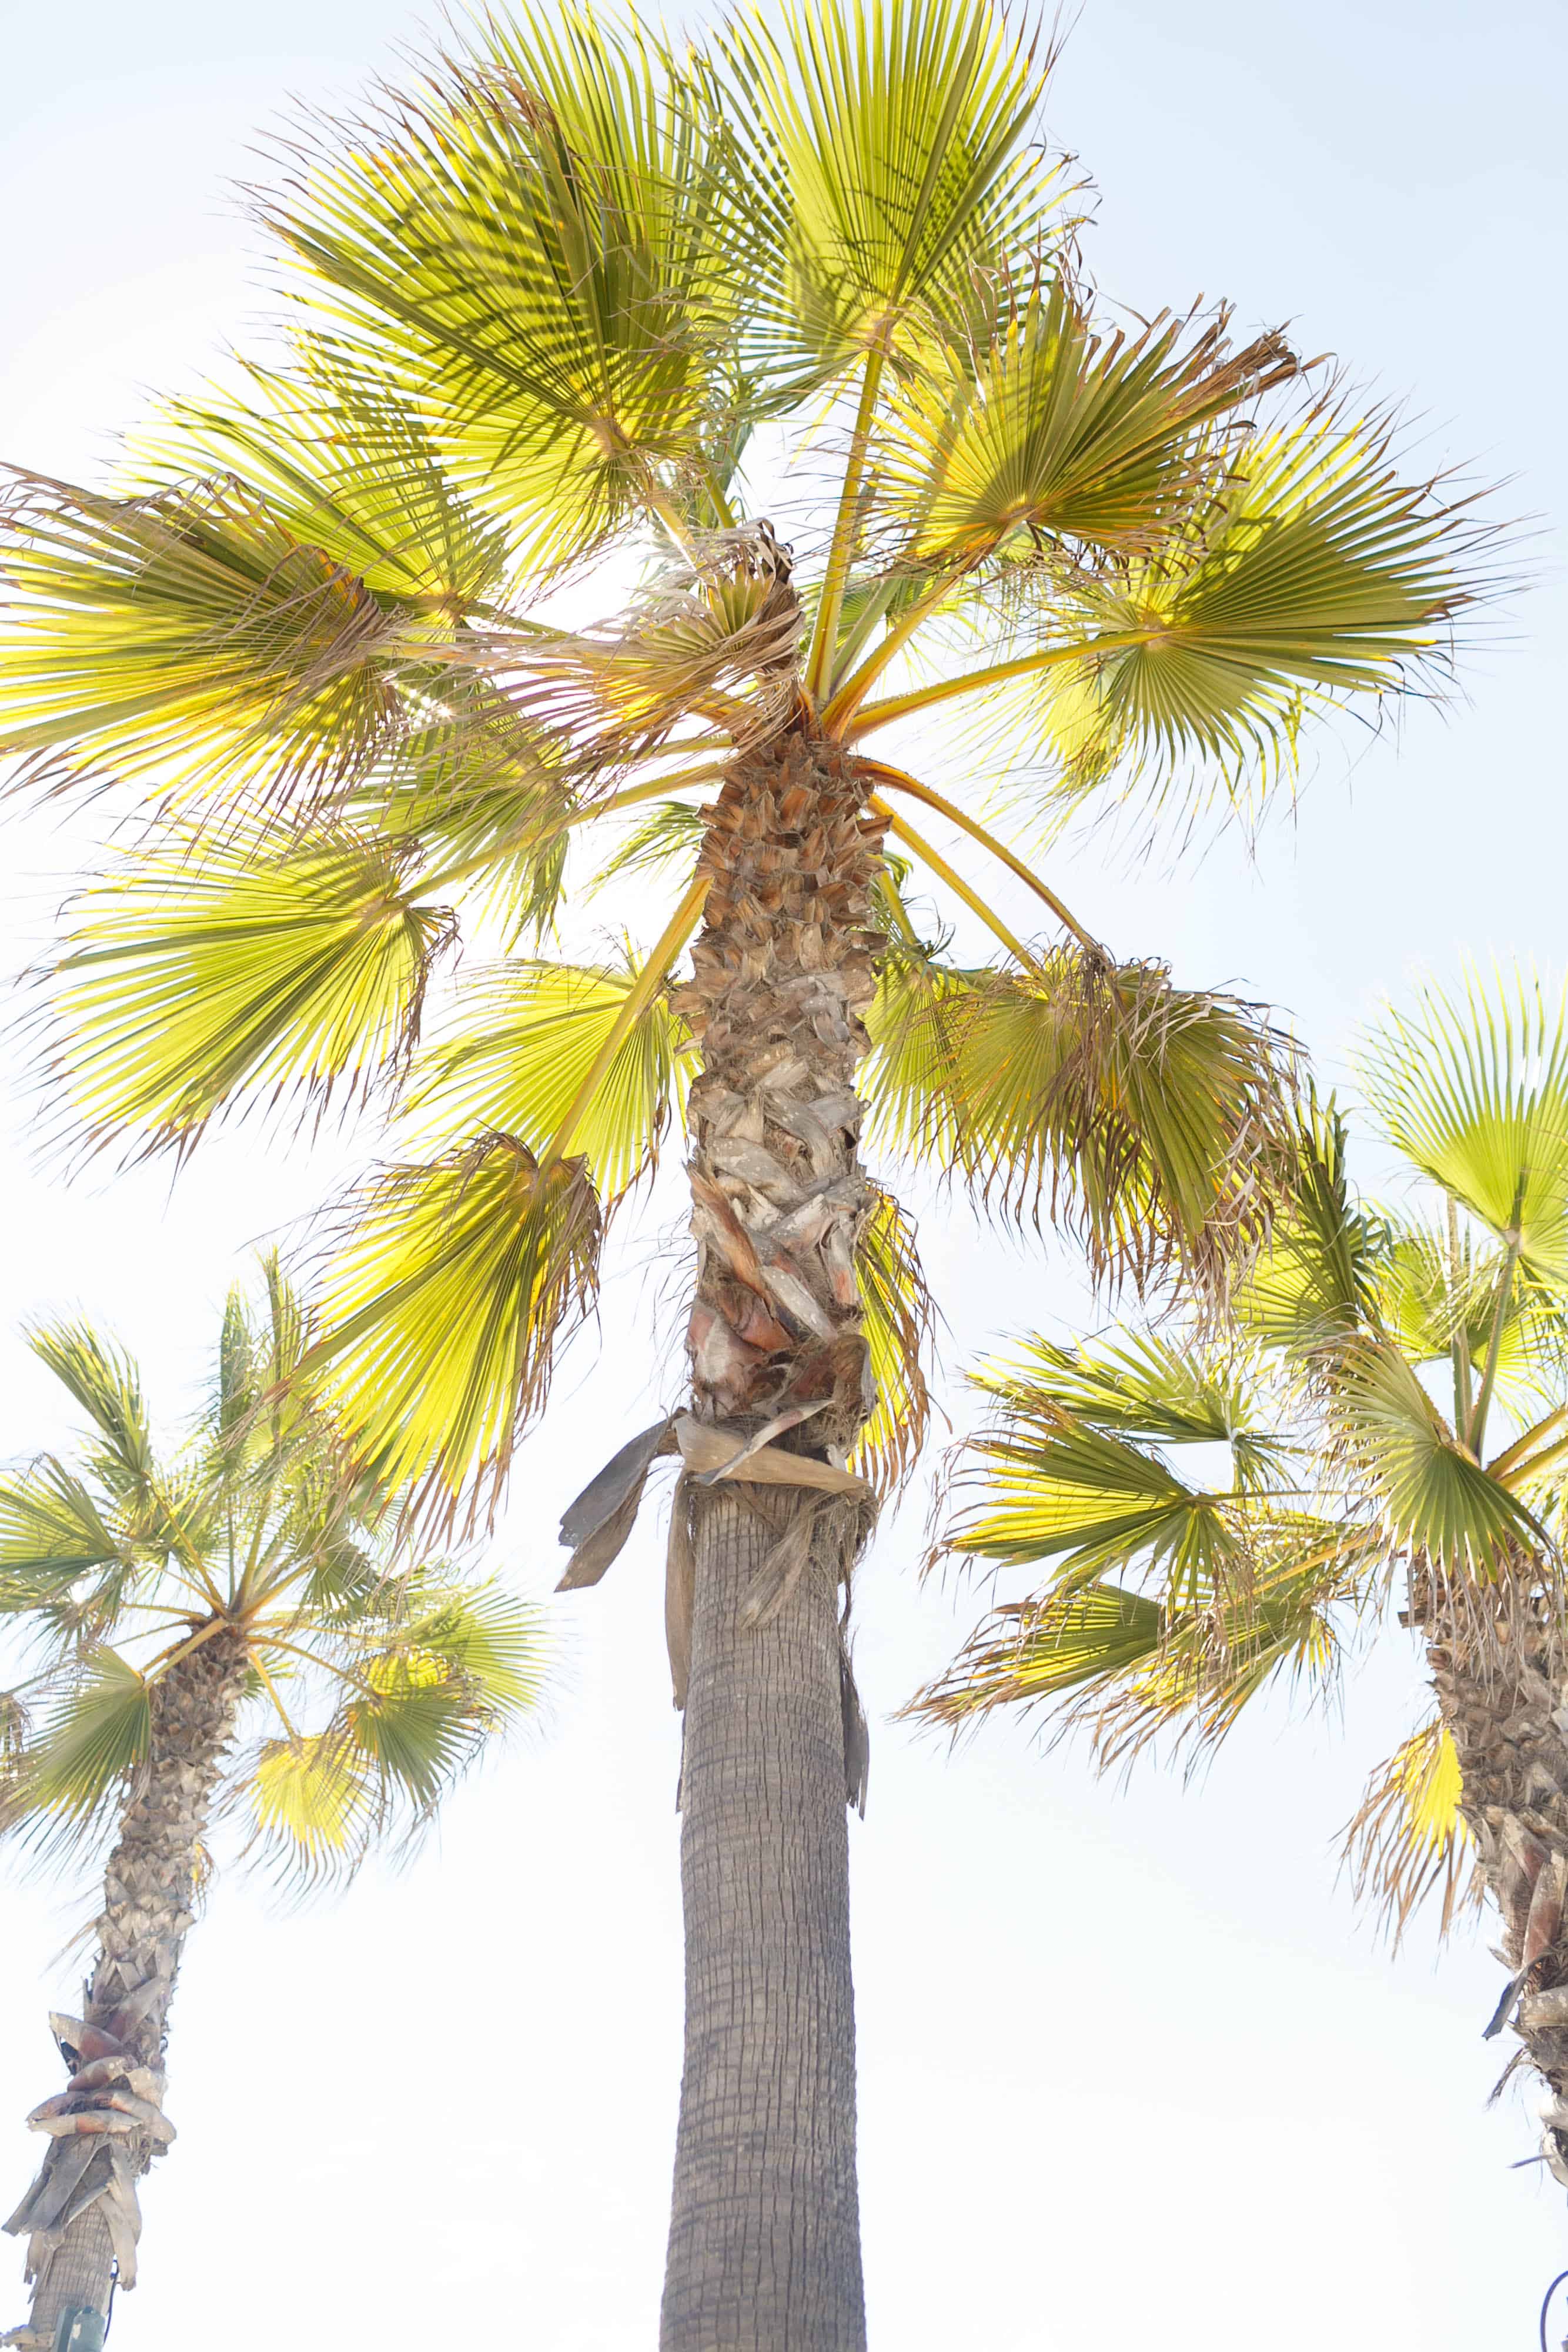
x=82 y=2220
x=764 y=2244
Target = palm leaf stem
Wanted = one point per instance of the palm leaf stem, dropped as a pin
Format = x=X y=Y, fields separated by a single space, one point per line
x=854 y=689
x=1530 y=1467
x=1461 y=1347
x=657 y=789
x=897 y=780
x=276 y=1696
x=835 y=579
x=1519 y=1454
x=639 y=996
x=956 y=883
x=1515 y=1238
x=314 y=1658
x=872 y=715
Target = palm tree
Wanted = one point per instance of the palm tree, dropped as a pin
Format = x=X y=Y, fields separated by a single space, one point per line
x=1392 y=1404
x=556 y=311
x=224 y=1636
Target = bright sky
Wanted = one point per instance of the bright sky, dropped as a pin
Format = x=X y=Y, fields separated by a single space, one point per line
x=1131 y=2069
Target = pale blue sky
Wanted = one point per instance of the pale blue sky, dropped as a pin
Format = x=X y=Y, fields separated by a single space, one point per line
x=1133 y=2072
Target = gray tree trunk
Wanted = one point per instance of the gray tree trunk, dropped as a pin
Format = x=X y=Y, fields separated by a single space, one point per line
x=79 y=2229
x=764 y=2234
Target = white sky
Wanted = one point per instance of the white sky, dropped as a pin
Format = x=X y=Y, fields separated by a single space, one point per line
x=1132 y=2070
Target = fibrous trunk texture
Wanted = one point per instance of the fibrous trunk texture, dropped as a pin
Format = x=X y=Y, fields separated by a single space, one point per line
x=81 y=2216
x=764 y=2242
x=1500 y=1668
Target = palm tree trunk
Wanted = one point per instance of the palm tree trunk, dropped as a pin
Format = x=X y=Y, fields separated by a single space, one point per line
x=765 y=2234
x=1501 y=1671
x=82 y=2217
x=764 y=2242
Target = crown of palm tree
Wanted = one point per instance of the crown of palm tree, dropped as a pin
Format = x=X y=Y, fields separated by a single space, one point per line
x=374 y=1679
x=562 y=303
x=1354 y=1401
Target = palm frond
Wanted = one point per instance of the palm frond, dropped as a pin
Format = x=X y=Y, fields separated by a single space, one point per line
x=900 y=137
x=1436 y=1499
x=518 y=1045
x=1049 y=436
x=1317 y=1274
x=542 y=243
x=448 y=1291
x=1475 y=1094
x=315 y=1806
x=342 y=464
x=1407 y=1842
x=187 y=635
x=53 y=1530
x=671 y=835
x=1034 y=1653
x=106 y=1383
x=898 y=1315
x=75 y=1765
x=1319 y=574
x=234 y=974
x=1153 y=1120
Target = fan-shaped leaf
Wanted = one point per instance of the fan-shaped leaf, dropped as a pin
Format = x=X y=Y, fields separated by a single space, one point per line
x=449 y=1290
x=1050 y=433
x=517 y=1047
x=1476 y=1094
x=188 y=636
x=1151 y=1118
x=237 y=973
x=542 y=245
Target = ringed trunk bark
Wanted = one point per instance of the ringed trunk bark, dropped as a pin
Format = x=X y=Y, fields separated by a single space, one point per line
x=81 y=2215
x=764 y=2251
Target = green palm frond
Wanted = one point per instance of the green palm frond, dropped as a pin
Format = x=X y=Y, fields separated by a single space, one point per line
x=1130 y=1667
x=234 y=973
x=545 y=246
x=900 y=137
x=1034 y=1653
x=315 y=1806
x=671 y=835
x=898 y=1317
x=188 y=636
x=341 y=464
x=77 y=1762
x=451 y=1287
x=53 y=1530
x=520 y=1043
x=1042 y=1484
x=1318 y=573
x=1052 y=436
x=1429 y=1298
x=1151 y=1119
x=1435 y=1498
x=105 y=1383
x=1475 y=1094
x=1408 y=1842
x=1317 y=1274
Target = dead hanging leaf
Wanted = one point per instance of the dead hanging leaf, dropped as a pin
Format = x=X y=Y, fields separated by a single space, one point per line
x=857 y=1734
x=704 y=1447
x=779 y=1572
x=597 y=1522
x=680 y=1584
